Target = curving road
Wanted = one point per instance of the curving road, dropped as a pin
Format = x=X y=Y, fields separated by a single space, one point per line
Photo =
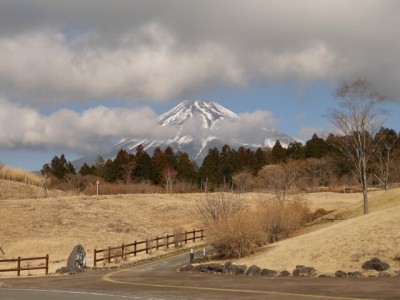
x=158 y=280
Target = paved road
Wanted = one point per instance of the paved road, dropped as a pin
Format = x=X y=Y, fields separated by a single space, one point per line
x=160 y=281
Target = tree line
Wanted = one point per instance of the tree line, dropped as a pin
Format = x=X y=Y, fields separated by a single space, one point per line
x=322 y=163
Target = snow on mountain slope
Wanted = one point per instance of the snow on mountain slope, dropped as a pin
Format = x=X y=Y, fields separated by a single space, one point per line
x=209 y=111
x=198 y=128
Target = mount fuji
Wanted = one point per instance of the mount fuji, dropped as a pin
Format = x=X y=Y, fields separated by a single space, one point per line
x=198 y=126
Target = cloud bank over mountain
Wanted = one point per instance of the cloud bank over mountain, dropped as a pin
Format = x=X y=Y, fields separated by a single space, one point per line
x=161 y=50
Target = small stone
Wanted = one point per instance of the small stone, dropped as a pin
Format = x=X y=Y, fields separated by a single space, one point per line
x=340 y=273
x=284 y=273
x=327 y=275
x=240 y=269
x=296 y=272
x=269 y=273
x=355 y=274
x=384 y=274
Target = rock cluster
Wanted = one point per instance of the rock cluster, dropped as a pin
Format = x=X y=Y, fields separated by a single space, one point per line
x=299 y=271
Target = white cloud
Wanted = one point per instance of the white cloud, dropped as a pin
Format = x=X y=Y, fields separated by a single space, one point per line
x=153 y=50
x=87 y=132
x=44 y=67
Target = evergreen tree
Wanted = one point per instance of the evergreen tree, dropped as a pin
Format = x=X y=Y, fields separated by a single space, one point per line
x=278 y=153
x=316 y=147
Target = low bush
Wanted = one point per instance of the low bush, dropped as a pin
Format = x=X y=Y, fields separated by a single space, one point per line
x=215 y=206
x=236 y=235
x=235 y=230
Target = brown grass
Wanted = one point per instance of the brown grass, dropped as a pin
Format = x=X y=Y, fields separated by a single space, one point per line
x=19 y=175
x=345 y=245
x=35 y=227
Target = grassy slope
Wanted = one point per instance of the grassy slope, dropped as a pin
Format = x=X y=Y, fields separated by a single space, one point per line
x=345 y=245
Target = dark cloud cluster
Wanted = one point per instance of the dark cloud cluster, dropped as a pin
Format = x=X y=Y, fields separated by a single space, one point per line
x=75 y=51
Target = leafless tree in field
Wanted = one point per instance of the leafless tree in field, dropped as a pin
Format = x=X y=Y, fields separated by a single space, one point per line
x=358 y=118
x=280 y=179
x=387 y=140
x=169 y=175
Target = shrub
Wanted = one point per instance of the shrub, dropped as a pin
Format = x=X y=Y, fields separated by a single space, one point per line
x=215 y=206
x=236 y=235
x=280 y=219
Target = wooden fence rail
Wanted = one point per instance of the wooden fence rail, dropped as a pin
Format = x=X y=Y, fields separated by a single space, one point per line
x=19 y=268
x=136 y=247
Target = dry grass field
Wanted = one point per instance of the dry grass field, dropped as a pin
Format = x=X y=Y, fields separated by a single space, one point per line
x=32 y=226
x=344 y=245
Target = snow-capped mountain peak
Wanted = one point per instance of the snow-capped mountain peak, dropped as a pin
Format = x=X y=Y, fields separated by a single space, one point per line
x=209 y=111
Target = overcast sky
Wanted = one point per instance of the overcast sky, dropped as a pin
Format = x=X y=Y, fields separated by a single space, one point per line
x=73 y=74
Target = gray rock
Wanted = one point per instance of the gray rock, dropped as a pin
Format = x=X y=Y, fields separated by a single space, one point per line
x=62 y=270
x=327 y=275
x=239 y=269
x=355 y=274
x=296 y=272
x=340 y=273
x=253 y=271
x=375 y=264
x=77 y=260
x=284 y=273
x=227 y=268
x=269 y=273
x=215 y=268
x=304 y=271
x=307 y=271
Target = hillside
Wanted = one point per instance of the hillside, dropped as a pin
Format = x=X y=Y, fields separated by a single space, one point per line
x=345 y=245
x=19 y=190
x=33 y=227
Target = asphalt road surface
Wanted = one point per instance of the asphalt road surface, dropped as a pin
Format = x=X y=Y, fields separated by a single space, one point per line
x=159 y=280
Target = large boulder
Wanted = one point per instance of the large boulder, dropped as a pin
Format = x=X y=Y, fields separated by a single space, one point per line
x=77 y=260
x=253 y=271
x=375 y=264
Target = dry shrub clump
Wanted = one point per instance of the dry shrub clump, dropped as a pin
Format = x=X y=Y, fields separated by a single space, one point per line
x=19 y=175
x=281 y=218
x=235 y=230
x=237 y=234
x=219 y=205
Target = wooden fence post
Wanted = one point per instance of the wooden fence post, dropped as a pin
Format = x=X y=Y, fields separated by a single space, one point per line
x=123 y=252
x=109 y=254
x=167 y=241
x=202 y=234
x=19 y=266
x=47 y=264
x=185 y=237
x=134 y=249
x=194 y=235
x=147 y=246
x=94 y=257
x=157 y=242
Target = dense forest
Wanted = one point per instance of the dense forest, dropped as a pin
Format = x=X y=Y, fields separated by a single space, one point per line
x=316 y=163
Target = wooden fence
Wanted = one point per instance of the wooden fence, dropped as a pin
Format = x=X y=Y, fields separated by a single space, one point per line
x=20 y=268
x=134 y=248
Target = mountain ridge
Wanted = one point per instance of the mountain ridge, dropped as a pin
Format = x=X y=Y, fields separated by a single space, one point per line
x=198 y=125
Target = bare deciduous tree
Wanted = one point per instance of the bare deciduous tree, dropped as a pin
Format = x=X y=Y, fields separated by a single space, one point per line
x=169 y=175
x=358 y=118
x=386 y=140
x=280 y=179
